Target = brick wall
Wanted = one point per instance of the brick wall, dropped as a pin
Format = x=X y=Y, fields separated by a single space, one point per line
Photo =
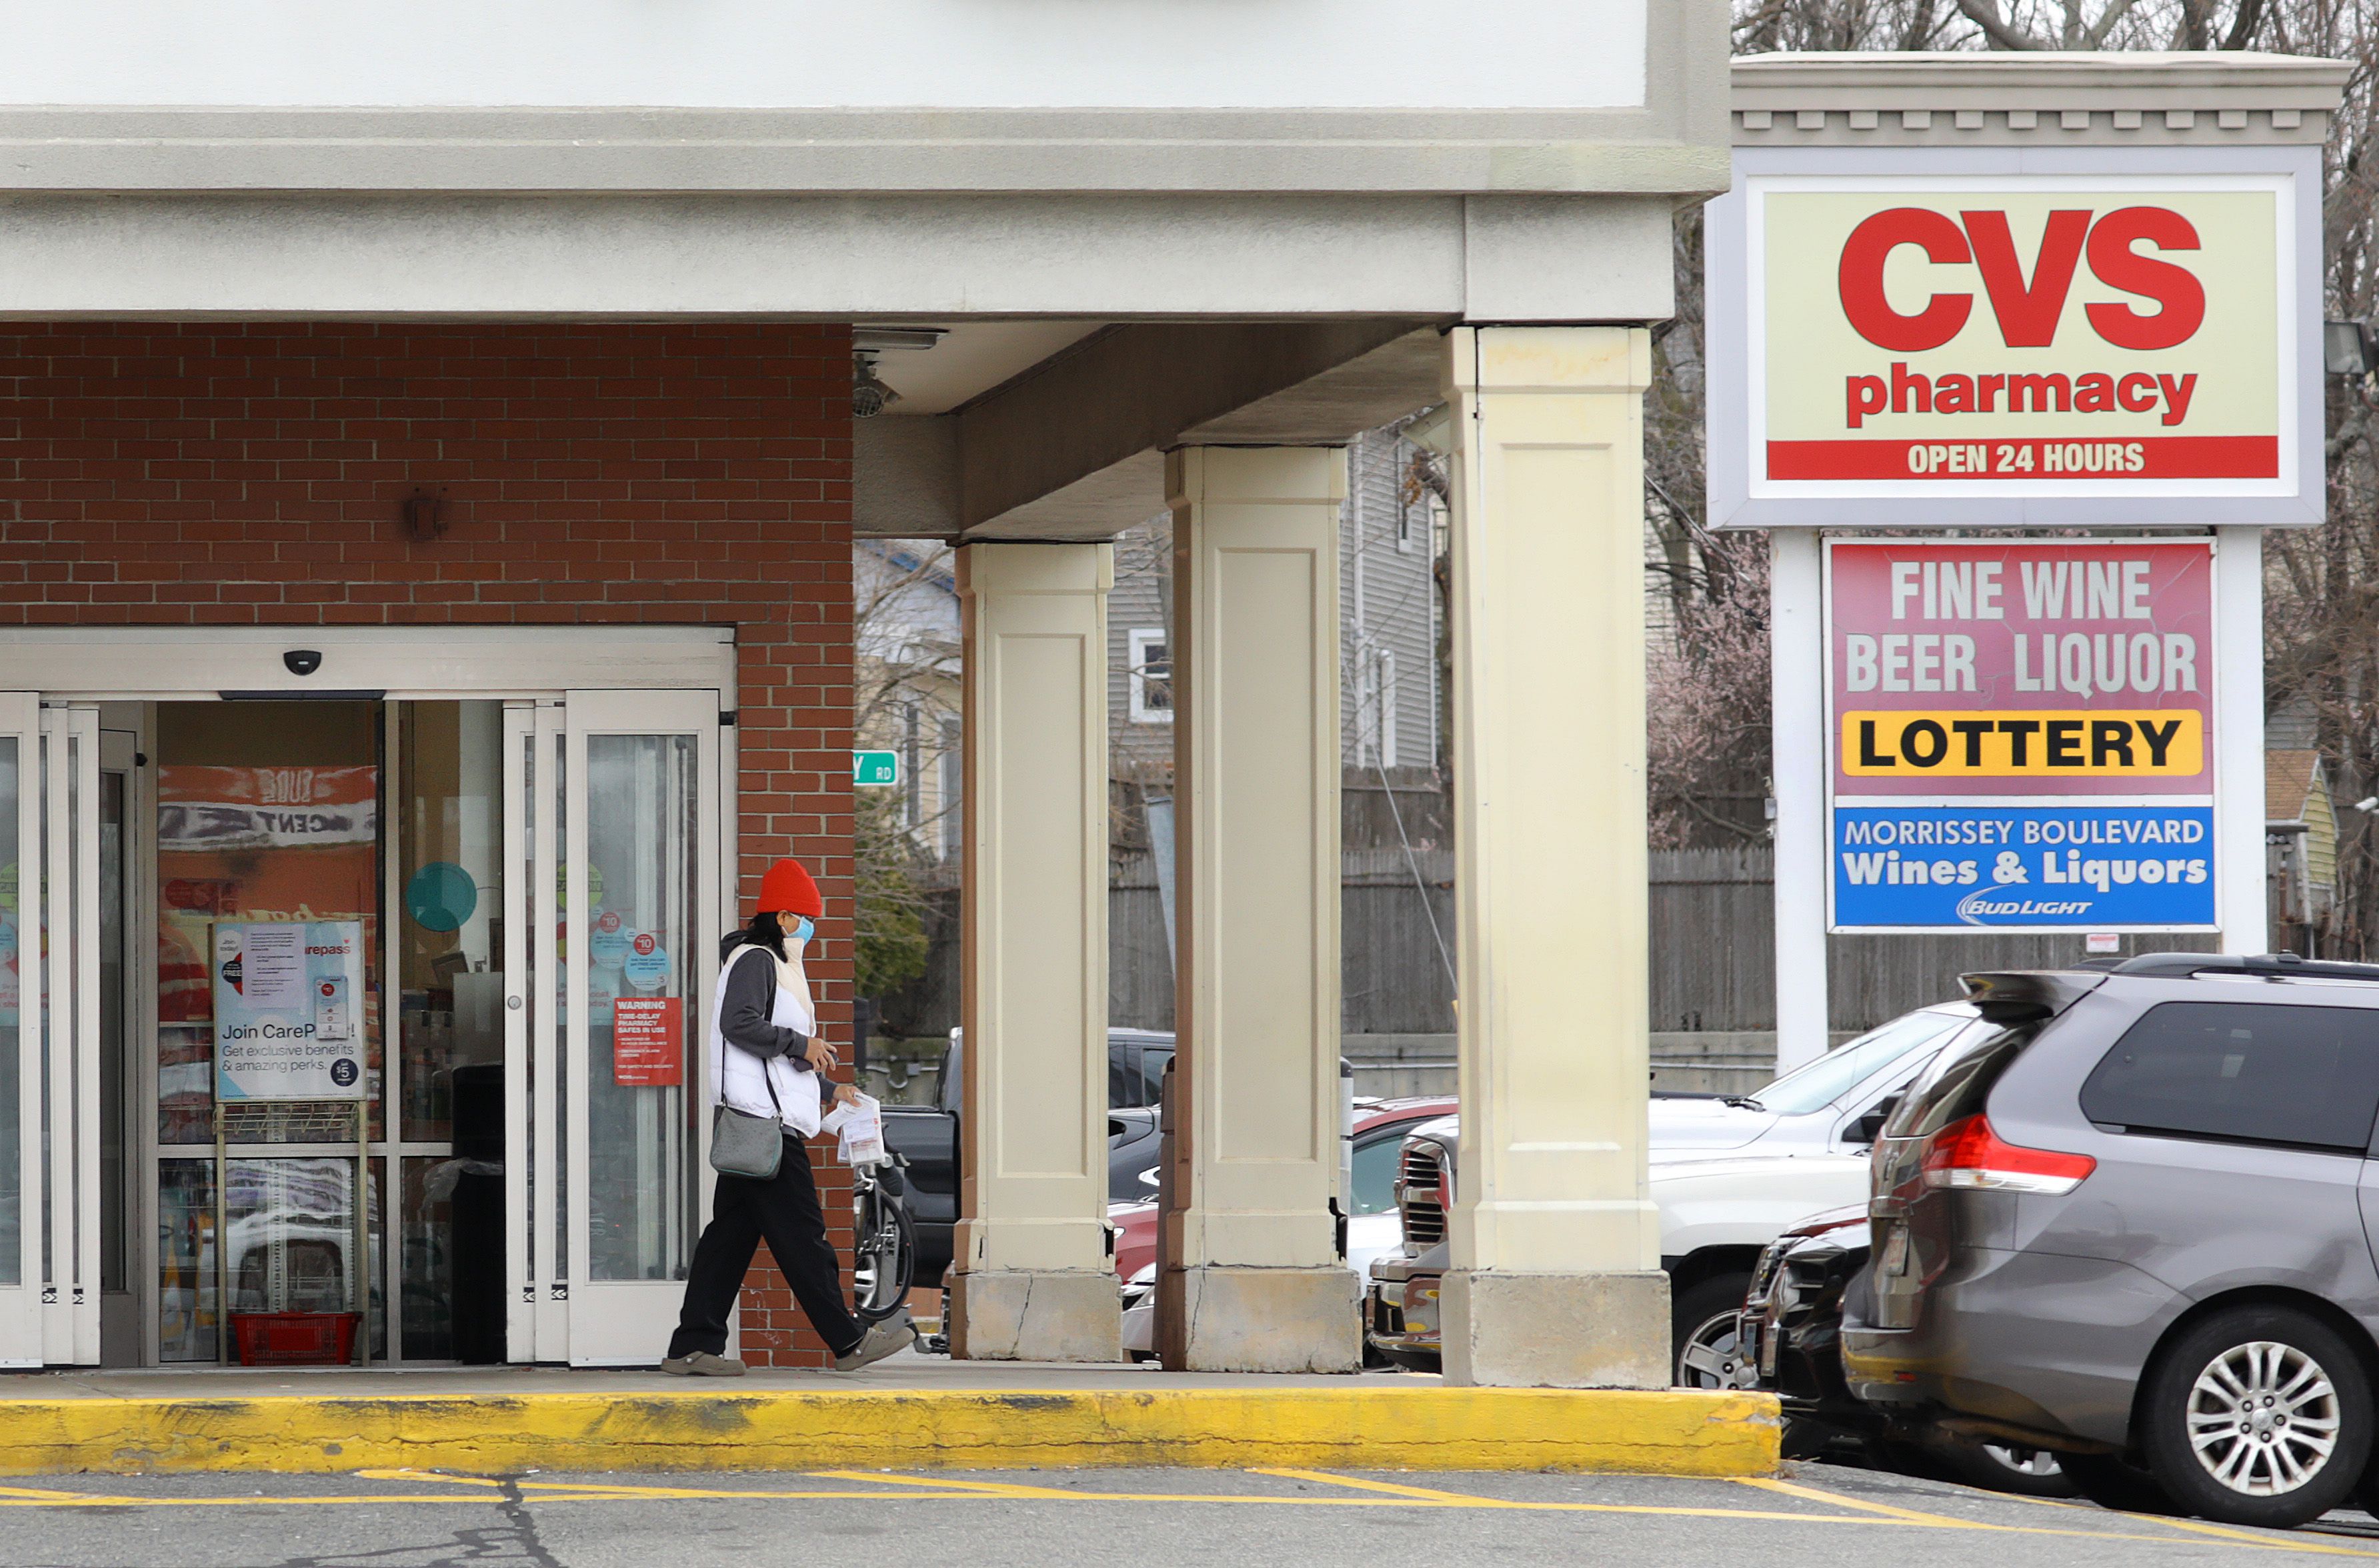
x=253 y=475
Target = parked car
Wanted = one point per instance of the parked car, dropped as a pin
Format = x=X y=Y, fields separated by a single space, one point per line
x=928 y=1136
x=1790 y=1344
x=1829 y=1105
x=1371 y=1226
x=1716 y=1214
x=1729 y=1173
x=2127 y=1223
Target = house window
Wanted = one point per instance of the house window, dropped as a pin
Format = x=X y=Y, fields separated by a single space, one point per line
x=953 y=770
x=1152 y=676
x=912 y=787
x=1376 y=708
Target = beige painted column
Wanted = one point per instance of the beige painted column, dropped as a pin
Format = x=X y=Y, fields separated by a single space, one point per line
x=1251 y=1277
x=1555 y=1271
x=1032 y=1280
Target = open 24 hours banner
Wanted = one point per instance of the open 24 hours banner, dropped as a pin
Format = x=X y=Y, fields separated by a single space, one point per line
x=2021 y=735
x=2131 y=340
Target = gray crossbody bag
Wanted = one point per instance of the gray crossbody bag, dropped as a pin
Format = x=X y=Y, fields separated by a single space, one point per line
x=741 y=1143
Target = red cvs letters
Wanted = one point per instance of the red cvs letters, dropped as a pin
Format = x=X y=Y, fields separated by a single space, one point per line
x=2027 y=311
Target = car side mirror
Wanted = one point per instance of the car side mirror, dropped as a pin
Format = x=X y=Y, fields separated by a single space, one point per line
x=1869 y=1126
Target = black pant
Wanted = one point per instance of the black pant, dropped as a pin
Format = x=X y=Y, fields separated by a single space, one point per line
x=785 y=1210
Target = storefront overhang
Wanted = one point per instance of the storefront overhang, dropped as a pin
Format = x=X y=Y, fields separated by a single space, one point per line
x=1675 y=141
x=1071 y=448
x=184 y=664
x=883 y=256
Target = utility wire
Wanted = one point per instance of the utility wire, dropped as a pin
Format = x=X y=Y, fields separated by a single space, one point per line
x=1453 y=986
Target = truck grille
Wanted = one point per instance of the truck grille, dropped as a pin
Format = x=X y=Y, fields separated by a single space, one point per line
x=1424 y=1216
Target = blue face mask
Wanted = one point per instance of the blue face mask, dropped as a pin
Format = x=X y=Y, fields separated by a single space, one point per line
x=801 y=934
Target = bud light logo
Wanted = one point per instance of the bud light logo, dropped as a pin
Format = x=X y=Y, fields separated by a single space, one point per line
x=2069 y=867
x=1992 y=906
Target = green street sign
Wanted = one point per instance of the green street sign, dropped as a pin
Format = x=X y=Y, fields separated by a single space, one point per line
x=881 y=769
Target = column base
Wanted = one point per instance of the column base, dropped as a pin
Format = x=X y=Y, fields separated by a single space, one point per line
x=1035 y=1315
x=1213 y=1319
x=1555 y=1331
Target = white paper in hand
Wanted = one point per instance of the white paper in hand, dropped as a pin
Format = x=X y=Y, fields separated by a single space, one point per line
x=859 y=1132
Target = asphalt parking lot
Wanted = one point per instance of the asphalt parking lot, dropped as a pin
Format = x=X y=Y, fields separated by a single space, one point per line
x=1047 y=1519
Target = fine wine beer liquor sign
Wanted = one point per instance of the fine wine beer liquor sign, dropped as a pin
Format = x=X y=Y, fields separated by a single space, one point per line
x=2116 y=345
x=2021 y=735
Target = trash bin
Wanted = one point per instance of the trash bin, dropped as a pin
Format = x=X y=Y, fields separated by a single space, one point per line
x=479 y=1214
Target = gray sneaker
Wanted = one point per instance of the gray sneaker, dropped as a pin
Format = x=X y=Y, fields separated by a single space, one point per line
x=703 y=1364
x=889 y=1337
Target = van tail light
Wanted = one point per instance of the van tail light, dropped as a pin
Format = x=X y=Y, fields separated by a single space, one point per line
x=1968 y=1155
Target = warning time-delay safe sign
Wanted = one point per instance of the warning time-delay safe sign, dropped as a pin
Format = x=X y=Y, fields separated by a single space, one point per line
x=2021 y=735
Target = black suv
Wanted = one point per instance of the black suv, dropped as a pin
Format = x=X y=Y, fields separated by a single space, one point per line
x=2125 y=1219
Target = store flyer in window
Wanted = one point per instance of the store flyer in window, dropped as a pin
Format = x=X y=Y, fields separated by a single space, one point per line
x=284 y=1009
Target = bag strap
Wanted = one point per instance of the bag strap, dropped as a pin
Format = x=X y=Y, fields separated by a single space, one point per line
x=767 y=1079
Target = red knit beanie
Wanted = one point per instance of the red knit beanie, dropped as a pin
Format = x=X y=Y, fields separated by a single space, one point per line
x=788 y=886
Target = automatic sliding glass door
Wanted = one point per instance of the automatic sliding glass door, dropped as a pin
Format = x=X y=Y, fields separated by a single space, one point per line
x=640 y=876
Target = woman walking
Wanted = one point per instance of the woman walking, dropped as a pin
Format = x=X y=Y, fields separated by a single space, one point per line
x=767 y=1063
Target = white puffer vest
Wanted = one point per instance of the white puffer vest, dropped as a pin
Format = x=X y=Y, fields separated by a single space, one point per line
x=743 y=1078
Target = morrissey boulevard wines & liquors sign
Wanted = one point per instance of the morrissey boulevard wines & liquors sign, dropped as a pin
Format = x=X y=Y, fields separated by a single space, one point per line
x=2130 y=342
x=2021 y=735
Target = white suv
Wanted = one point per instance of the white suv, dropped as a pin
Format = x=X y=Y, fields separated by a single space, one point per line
x=1729 y=1173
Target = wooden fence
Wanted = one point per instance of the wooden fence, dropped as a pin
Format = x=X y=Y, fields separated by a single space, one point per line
x=1713 y=962
x=1713 y=956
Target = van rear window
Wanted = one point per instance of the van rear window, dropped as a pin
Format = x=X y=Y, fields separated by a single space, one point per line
x=2244 y=1072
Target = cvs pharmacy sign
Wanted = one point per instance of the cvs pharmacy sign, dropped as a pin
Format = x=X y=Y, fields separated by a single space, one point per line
x=2020 y=335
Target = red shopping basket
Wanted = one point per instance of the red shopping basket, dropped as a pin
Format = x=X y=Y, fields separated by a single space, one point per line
x=295 y=1339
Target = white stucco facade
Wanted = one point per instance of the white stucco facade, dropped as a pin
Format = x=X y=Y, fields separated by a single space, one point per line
x=1167 y=256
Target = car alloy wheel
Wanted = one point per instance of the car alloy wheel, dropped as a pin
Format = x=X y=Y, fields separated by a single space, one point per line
x=2263 y=1418
x=2032 y=1463
x=2257 y=1415
x=1709 y=1358
x=1708 y=1339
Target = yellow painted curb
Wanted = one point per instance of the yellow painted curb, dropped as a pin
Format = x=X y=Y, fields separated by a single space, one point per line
x=1674 y=1432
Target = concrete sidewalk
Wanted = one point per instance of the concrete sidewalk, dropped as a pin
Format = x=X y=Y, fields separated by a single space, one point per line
x=911 y=1412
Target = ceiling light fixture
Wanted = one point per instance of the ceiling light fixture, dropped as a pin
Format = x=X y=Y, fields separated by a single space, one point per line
x=876 y=340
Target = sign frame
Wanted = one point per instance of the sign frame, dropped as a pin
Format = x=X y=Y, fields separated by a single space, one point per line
x=2216 y=703
x=346 y=1004
x=2301 y=501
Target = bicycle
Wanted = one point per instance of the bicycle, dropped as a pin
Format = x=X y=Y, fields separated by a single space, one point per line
x=885 y=1265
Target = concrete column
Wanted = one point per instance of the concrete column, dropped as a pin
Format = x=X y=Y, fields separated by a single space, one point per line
x=1250 y=1279
x=2240 y=892
x=1556 y=1273
x=1803 y=772
x=1032 y=1280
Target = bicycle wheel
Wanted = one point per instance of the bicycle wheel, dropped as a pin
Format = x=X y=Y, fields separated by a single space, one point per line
x=886 y=1265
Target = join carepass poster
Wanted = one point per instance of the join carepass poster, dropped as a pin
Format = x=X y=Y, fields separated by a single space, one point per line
x=2021 y=735
x=288 y=1013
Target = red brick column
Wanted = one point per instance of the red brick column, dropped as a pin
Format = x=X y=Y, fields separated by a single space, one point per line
x=193 y=474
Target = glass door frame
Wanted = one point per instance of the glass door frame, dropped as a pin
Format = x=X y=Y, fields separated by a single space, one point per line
x=70 y=1209
x=532 y=669
x=21 y=1304
x=627 y=1322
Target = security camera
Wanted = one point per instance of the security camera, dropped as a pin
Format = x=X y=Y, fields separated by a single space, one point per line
x=303 y=661
x=869 y=396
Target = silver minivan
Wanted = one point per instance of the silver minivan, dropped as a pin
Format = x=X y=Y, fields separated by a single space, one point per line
x=2129 y=1221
